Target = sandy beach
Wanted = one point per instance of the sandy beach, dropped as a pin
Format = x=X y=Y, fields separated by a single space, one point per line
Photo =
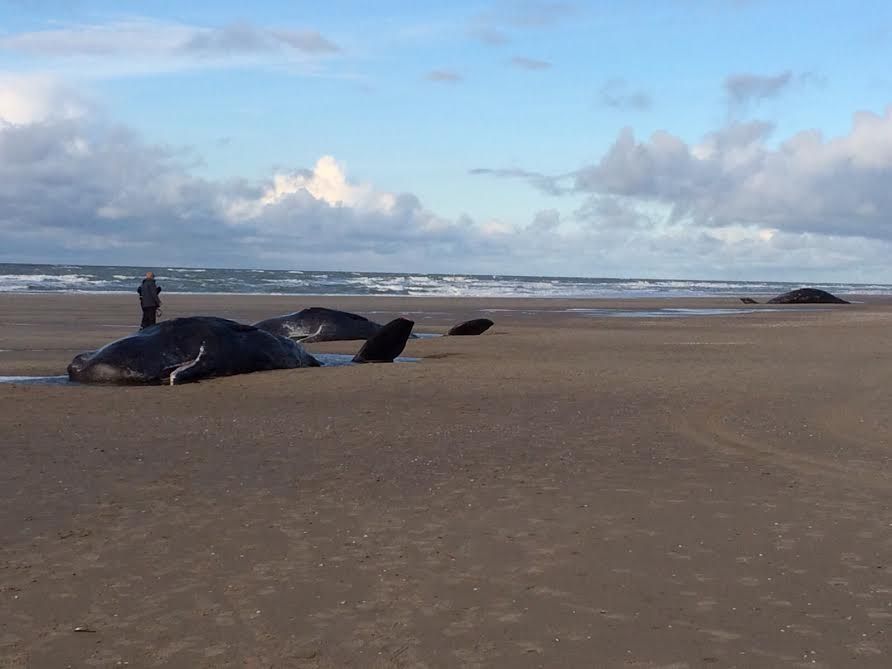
x=563 y=491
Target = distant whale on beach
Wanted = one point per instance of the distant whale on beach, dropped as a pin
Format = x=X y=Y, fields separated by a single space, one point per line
x=801 y=296
x=183 y=350
x=473 y=327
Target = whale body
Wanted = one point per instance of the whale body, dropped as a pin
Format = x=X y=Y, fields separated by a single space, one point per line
x=188 y=349
x=807 y=296
x=320 y=324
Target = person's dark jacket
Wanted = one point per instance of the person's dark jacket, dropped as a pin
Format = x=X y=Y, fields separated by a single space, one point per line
x=148 y=294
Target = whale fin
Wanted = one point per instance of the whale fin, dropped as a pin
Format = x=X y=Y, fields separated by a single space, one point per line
x=182 y=373
x=387 y=343
x=314 y=336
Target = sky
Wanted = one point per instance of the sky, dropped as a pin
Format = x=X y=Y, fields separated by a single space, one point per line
x=710 y=139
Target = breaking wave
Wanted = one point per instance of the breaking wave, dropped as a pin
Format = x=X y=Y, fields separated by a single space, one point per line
x=17 y=278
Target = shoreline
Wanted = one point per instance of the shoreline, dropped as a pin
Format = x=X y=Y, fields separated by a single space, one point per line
x=672 y=296
x=856 y=298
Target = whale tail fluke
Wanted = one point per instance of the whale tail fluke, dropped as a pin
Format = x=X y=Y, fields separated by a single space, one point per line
x=387 y=343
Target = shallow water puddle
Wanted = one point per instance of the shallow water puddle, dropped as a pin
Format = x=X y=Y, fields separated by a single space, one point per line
x=38 y=380
x=344 y=359
x=664 y=313
x=667 y=312
x=705 y=343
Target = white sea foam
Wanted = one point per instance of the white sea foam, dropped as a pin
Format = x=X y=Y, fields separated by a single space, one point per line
x=18 y=282
x=286 y=283
x=73 y=278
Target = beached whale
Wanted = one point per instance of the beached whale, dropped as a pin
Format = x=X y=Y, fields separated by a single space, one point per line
x=187 y=349
x=320 y=324
x=801 y=296
x=200 y=347
x=474 y=327
x=807 y=296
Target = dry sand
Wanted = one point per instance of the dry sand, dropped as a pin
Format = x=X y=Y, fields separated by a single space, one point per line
x=563 y=491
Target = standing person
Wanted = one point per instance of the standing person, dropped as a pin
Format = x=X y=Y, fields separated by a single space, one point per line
x=149 y=300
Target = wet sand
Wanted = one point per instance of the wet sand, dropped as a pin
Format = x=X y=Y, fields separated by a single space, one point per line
x=563 y=491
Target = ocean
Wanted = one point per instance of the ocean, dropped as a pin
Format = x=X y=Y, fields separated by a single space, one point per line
x=22 y=278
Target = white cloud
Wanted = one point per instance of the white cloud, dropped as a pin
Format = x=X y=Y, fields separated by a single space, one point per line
x=745 y=90
x=84 y=189
x=618 y=94
x=326 y=183
x=443 y=76
x=545 y=221
x=493 y=26
x=497 y=228
x=31 y=99
x=238 y=37
x=139 y=45
x=745 y=87
x=132 y=38
x=739 y=202
x=532 y=64
x=736 y=176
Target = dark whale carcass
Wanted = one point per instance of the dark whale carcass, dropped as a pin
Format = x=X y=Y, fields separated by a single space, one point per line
x=320 y=324
x=188 y=349
x=807 y=296
x=474 y=327
x=801 y=296
x=200 y=347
